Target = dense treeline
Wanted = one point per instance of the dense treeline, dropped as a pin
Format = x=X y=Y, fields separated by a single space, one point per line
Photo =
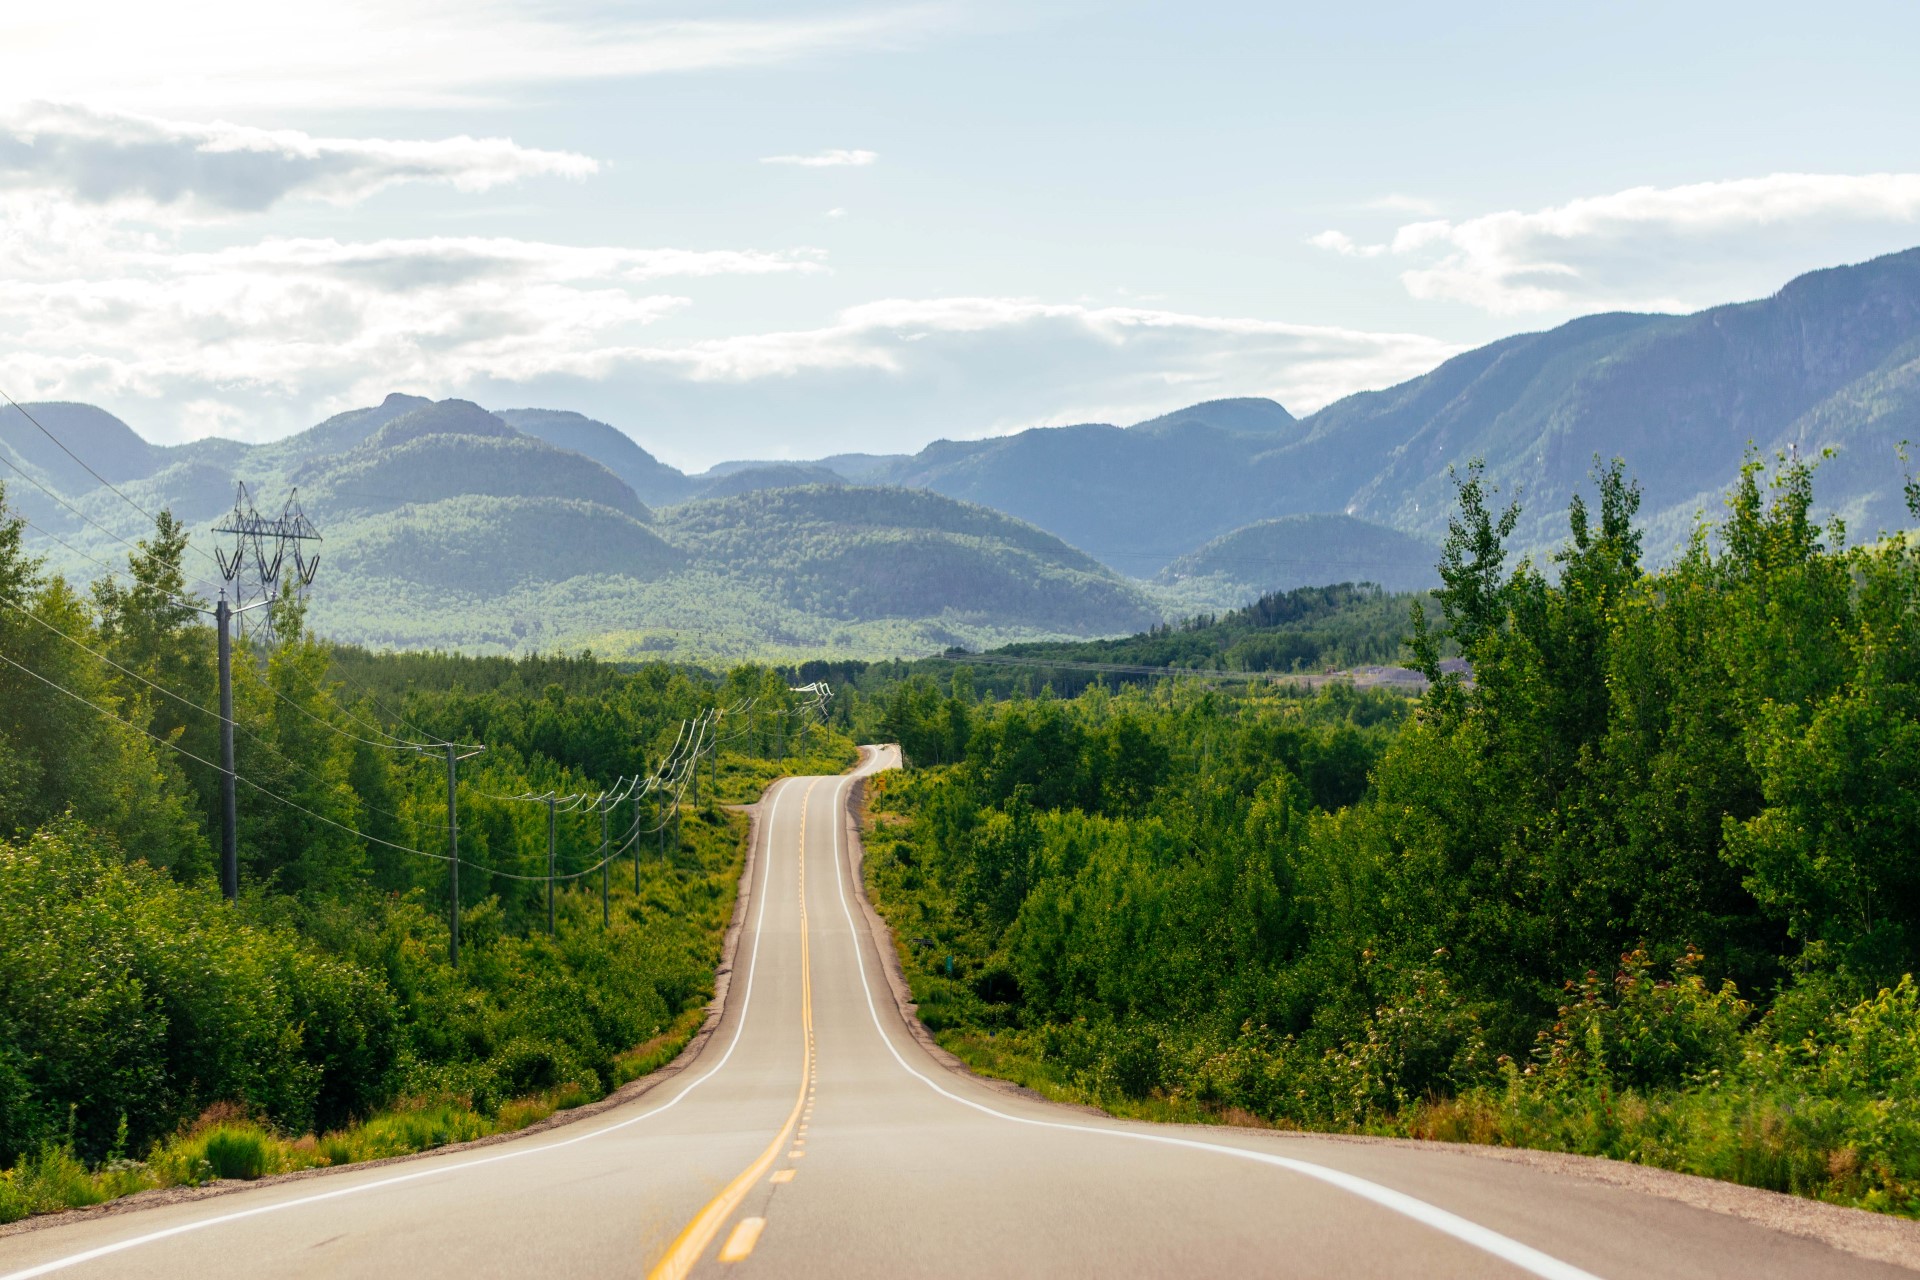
x=133 y=999
x=1643 y=886
x=1307 y=629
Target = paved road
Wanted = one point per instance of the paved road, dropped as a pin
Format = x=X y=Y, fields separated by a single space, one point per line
x=814 y=1137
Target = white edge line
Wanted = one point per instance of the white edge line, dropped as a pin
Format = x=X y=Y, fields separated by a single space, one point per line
x=1526 y=1257
x=764 y=873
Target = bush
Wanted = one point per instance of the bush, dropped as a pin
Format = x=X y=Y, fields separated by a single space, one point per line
x=130 y=997
x=1643 y=1033
x=237 y=1153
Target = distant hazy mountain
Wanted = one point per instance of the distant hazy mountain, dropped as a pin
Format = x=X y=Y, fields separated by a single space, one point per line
x=858 y=468
x=450 y=524
x=653 y=480
x=447 y=525
x=859 y=553
x=1251 y=416
x=1832 y=360
x=455 y=449
x=109 y=445
x=1307 y=551
x=769 y=475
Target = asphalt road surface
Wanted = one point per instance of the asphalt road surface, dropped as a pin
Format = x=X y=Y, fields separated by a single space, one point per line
x=814 y=1136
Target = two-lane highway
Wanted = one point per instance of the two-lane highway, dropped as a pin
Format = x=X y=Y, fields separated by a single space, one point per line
x=814 y=1136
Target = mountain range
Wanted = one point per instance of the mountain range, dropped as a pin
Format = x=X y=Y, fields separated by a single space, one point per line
x=450 y=524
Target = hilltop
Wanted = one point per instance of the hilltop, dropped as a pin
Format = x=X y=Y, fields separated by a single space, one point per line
x=547 y=527
x=446 y=525
x=1831 y=361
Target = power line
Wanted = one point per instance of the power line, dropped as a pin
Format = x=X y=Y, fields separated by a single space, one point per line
x=28 y=477
x=22 y=411
x=369 y=695
x=614 y=853
x=173 y=746
x=397 y=744
x=110 y=570
x=188 y=702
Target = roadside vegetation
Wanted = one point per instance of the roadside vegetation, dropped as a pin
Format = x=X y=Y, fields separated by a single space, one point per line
x=151 y=1034
x=1643 y=887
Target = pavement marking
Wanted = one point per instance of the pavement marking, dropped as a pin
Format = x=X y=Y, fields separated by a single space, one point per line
x=740 y=1242
x=784 y=1175
x=1465 y=1230
x=685 y=1252
x=200 y=1224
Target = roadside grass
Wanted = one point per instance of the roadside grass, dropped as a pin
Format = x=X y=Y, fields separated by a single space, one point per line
x=226 y=1144
x=1859 y=1148
x=229 y=1142
x=1819 y=1098
x=742 y=779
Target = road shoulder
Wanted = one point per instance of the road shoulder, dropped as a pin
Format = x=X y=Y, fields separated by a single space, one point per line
x=1873 y=1236
x=627 y=1093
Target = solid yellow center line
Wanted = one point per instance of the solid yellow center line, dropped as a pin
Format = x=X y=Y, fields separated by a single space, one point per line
x=685 y=1251
x=740 y=1243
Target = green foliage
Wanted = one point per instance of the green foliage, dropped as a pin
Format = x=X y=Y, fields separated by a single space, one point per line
x=1303 y=551
x=232 y=1152
x=1304 y=629
x=1637 y=882
x=133 y=999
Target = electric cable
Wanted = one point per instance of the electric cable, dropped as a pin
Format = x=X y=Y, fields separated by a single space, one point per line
x=28 y=477
x=187 y=702
x=22 y=411
x=173 y=746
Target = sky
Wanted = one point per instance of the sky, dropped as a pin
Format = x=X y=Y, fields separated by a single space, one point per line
x=757 y=230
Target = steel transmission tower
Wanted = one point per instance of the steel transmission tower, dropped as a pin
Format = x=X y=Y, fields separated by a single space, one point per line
x=253 y=570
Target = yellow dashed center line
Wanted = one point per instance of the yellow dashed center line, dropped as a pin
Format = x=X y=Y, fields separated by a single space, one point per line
x=685 y=1251
x=740 y=1243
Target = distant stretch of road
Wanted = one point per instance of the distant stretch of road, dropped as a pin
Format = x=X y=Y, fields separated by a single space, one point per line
x=814 y=1136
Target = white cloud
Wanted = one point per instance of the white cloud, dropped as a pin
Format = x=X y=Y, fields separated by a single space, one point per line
x=1312 y=363
x=1068 y=358
x=1345 y=245
x=227 y=54
x=889 y=375
x=825 y=159
x=98 y=158
x=276 y=329
x=836 y=213
x=1632 y=247
x=260 y=339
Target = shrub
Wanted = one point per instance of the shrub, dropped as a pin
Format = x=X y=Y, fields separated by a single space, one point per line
x=1643 y=1033
x=232 y=1152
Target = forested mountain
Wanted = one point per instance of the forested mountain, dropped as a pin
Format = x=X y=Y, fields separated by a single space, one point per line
x=445 y=525
x=653 y=480
x=457 y=525
x=1304 y=551
x=1830 y=361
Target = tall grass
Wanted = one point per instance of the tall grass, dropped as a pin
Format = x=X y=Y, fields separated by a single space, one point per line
x=226 y=1142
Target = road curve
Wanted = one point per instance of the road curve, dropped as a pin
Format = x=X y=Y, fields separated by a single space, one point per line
x=814 y=1136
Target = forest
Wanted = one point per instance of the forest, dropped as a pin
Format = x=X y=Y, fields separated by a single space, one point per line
x=151 y=1034
x=1641 y=885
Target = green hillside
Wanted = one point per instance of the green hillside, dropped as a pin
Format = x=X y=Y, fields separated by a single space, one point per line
x=486 y=545
x=1307 y=550
x=1828 y=361
x=430 y=468
x=653 y=480
x=769 y=475
x=860 y=553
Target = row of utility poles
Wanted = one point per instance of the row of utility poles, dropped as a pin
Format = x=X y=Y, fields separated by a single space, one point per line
x=255 y=570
